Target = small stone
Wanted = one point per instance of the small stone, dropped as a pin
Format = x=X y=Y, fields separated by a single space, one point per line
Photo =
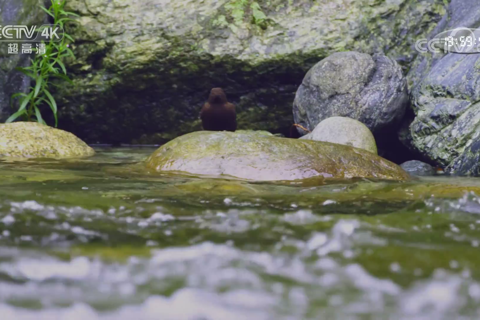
x=418 y=168
x=346 y=131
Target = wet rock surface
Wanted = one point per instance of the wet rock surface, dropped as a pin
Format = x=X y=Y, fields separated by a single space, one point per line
x=35 y=140
x=446 y=99
x=344 y=131
x=418 y=168
x=262 y=158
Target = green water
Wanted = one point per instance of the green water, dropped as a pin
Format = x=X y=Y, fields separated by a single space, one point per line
x=101 y=239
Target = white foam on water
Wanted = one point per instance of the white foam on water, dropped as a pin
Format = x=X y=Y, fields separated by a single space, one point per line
x=38 y=270
x=185 y=304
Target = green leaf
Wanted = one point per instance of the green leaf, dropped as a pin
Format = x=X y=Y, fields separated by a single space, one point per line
x=16 y=95
x=44 y=66
x=26 y=72
x=52 y=100
x=62 y=76
x=258 y=16
x=47 y=11
x=21 y=110
x=51 y=68
x=68 y=37
x=63 y=20
x=60 y=63
x=39 y=115
x=25 y=101
x=69 y=13
x=38 y=85
x=15 y=116
x=54 y=112
x=70 y=51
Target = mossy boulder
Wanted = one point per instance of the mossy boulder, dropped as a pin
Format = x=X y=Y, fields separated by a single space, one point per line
x=267 y=158
x=446 y=100
x=143 y=69
x=35 y=140
x=346 y=131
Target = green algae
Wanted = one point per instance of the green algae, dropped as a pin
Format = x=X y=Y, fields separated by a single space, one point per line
x=256 y=156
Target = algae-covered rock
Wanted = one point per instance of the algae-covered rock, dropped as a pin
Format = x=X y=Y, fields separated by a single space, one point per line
x=256 y=133
x=17 y=12
x=143 y=69
x=35 y=140
x=446 y=95
x=369 y=89
x=343 y=130
x=253 y=157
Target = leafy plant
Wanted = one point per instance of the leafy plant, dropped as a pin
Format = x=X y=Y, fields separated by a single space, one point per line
x=259 y=18
x=45 y=66
x=239 y=8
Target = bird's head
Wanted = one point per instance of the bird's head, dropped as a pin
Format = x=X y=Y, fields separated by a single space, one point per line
x=217 y=95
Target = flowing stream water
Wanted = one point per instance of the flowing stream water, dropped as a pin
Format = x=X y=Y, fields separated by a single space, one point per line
x=100 y=239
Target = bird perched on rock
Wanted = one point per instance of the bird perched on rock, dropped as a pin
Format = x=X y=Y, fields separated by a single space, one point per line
x=217 y=113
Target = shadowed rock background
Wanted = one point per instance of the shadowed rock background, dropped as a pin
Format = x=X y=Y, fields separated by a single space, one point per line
x=17 y=12
x=144 y=68
x=445 y=90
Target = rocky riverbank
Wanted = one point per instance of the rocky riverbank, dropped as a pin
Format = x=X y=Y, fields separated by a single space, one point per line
x=143 y=70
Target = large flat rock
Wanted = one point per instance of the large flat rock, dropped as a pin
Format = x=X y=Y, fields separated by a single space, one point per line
x=258 y=157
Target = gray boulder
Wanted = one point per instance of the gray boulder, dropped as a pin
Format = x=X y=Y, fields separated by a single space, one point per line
x=344 y=131
x=418 y=168
x=446 y=95
x=369 y=89
x=18 y=12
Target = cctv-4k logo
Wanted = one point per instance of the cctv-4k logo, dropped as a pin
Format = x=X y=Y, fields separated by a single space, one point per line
x=23 y=33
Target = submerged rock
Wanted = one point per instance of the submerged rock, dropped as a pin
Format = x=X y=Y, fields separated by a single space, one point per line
x=369 y=89
x=418 y=168
x=446 y=100
x=35 y=140
x=162 y=57
x=253 y=157
x=345 y=131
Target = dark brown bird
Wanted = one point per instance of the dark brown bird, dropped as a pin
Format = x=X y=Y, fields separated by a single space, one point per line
x=217 y=113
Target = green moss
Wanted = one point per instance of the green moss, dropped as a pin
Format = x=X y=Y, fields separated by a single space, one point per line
x=35 y=140
x=242 y=14
x=259 y=156
x=257 y=50
x=237 y=9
